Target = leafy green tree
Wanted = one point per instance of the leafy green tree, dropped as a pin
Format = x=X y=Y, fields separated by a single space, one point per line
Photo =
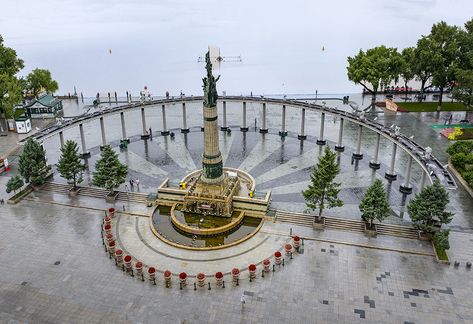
x=407 y=65
x=41 y=80
x=10 y=94
x=422 y=65
x=69 y=165
x=428 y=207
x=32 y=163
x=109 y=172
x=323 y=190
x=445 y=46
x=14 y=184
x=463 y=91
x=10 y=64
x=374 y=205
x=375 y=68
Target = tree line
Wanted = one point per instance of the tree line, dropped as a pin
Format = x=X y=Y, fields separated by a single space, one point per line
x=442 y=59
x=14 y=88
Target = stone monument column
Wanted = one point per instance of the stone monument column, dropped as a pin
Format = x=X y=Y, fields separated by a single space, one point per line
x=212 y=164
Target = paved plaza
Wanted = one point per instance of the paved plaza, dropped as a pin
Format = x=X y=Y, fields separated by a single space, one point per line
x=54 y=268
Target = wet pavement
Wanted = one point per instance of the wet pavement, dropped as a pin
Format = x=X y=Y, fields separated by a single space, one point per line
x=54 y=269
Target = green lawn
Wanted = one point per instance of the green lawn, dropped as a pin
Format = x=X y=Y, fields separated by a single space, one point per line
x=429 y=106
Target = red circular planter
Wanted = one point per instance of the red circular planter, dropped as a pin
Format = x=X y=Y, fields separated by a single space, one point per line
x=266 y=265
x=252 y=270
x=288 y=248
x=119 y=255
x=296 y=240
x=277 y=257
x=235 y=274
x=107 y=220
x=167 y=275
x=127 y=260
x=200 y=276
x=200 y=279
x=139 y=267
x=109 y=238
x=151 y=273
x=111 y=247
x=107 y=229
x=219 y=278
x=183 y=278
x=111 y=212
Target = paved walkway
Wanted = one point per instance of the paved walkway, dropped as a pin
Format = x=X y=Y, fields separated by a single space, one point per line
x=63 y=275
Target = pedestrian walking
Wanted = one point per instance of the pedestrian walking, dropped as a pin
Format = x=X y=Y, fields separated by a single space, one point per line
x=137 y=182
x=150 y=133
x=123 y=207
x=131 y=183
x=243 y=301
x=2 y=202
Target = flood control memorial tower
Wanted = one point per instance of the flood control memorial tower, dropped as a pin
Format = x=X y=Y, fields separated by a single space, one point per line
x=215 y=206
x=212 y=164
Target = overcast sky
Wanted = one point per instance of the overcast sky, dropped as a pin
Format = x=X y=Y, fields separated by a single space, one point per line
x=157 y=43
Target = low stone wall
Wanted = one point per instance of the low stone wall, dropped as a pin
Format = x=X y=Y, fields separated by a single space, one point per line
x=460 y=179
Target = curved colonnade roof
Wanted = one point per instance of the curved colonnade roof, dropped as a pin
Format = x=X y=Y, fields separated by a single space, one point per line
x=433 y=167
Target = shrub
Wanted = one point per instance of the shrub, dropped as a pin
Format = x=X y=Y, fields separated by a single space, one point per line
x=465 y=147
x=441 y=240
x=459 y=160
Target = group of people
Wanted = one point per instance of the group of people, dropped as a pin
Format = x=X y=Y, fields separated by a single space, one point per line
x=133 y=183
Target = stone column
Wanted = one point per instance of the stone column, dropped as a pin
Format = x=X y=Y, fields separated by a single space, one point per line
x=244 y=128
x=224 y=125
x=391 y=175
x=143 y=124
x=212 y=164
x=339 y=147
x=422 y=181
x=406 y=186
x=124 y=138
x=61 y=138
x=374 y=164
x=84 y=153
x=264 y=129
x=184 y=128
x=302 y=135
x=357 y=155
x=165 y=131
x=283 y=131
x=321 y=140
x=102 y=129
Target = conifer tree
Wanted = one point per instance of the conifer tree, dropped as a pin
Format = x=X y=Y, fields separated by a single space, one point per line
x=70 y=166
x=14 y=184
x=374 y=205
x=109 y=172
x=323 y=190
x=32 y=163
x=428 y=207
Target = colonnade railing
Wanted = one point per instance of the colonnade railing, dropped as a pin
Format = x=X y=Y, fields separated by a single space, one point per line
x=432 y=168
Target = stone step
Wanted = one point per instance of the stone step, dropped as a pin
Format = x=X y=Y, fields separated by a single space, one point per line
x=346 y=224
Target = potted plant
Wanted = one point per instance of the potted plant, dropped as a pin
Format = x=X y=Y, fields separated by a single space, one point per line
x=109 y=172
x=427 y=210
x=70 y=166
x=323 y=190
x=374 y=206
x=201 y=279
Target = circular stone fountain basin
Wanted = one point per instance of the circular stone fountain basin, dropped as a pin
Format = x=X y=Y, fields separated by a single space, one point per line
x=164 y=229
x=198 y=224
